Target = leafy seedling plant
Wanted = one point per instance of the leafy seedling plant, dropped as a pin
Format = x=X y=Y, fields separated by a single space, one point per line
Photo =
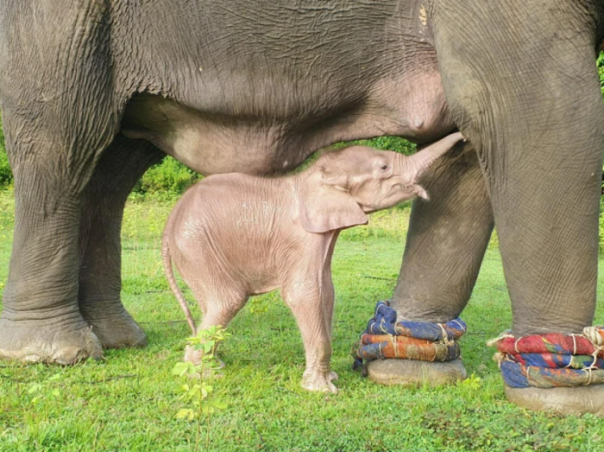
x=199 y=395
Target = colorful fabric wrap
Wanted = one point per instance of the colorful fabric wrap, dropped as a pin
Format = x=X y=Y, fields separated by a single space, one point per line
x=422 y=341
x=551 y=360
x=375 y=346
x=554 y=361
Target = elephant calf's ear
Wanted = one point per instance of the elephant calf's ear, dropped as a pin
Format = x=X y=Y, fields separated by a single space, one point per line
x=329 y=209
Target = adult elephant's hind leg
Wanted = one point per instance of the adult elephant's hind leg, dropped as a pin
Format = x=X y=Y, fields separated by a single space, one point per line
x=60 y=111
x=52 y=164
x=119 y=168
x=40 y=318
x=446 y=242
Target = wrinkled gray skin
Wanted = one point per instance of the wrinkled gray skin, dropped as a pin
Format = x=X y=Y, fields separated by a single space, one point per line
x=232 y=236
x=202 y=80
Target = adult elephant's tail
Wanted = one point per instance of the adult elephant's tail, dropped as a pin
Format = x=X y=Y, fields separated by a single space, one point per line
x=167 y=259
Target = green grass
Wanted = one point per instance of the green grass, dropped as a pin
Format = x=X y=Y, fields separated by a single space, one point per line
x=128 y=401
x=6 y=175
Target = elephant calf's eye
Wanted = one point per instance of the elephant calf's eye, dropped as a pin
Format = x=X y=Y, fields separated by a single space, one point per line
x=384 y=167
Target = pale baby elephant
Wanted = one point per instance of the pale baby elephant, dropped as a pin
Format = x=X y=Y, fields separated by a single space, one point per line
x=233 y=235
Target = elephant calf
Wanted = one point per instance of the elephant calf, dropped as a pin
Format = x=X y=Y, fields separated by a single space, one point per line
x=233 y=235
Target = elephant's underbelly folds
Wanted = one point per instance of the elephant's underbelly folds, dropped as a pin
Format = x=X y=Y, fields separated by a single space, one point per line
x=260 y=136
x=257 y=87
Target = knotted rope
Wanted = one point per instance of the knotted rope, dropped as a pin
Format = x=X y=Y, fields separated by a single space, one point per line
x=384 y=338
x=551 y=360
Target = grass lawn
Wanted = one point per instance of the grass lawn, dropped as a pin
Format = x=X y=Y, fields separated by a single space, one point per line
x=128 y=401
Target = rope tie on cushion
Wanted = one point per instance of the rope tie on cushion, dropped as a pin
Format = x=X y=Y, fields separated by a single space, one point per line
x=384 y=338
x=589 y=371
x=445 y=339
x=574 y=336
x=595 y=334
x=551 y=360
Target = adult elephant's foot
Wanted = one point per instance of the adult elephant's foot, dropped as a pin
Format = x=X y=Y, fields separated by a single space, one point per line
x=116 y=329
x=407 y=372
x=579 y=400
x=48 y=343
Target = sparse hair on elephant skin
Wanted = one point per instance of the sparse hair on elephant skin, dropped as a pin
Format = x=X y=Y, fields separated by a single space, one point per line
x=233 y=236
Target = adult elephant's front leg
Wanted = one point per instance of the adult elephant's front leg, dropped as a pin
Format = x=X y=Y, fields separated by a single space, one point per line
x=521 y=83
x=446 y=242
x=119 y=168
x=447 y=239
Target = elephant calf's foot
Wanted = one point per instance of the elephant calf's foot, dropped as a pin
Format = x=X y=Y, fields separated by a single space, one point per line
x=194 y=356
x=44 y=342
x=407 y=372
x=578 y=400
x=115 y=329
x=319 y=381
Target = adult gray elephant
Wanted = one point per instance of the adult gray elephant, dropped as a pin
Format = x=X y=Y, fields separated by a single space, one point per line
x=201 y=80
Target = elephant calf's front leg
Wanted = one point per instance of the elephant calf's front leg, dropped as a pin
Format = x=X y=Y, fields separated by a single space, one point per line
x=304 y=297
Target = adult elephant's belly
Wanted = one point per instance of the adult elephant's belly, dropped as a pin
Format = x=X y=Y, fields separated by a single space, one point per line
x=258 y=142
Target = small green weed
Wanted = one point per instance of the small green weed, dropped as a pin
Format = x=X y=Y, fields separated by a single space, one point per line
x=199 y=395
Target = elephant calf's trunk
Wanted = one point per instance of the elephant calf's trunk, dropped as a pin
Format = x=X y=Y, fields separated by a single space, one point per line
x=422 y=160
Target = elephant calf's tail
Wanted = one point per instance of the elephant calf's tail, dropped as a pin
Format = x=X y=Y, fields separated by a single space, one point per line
x=167 y=258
